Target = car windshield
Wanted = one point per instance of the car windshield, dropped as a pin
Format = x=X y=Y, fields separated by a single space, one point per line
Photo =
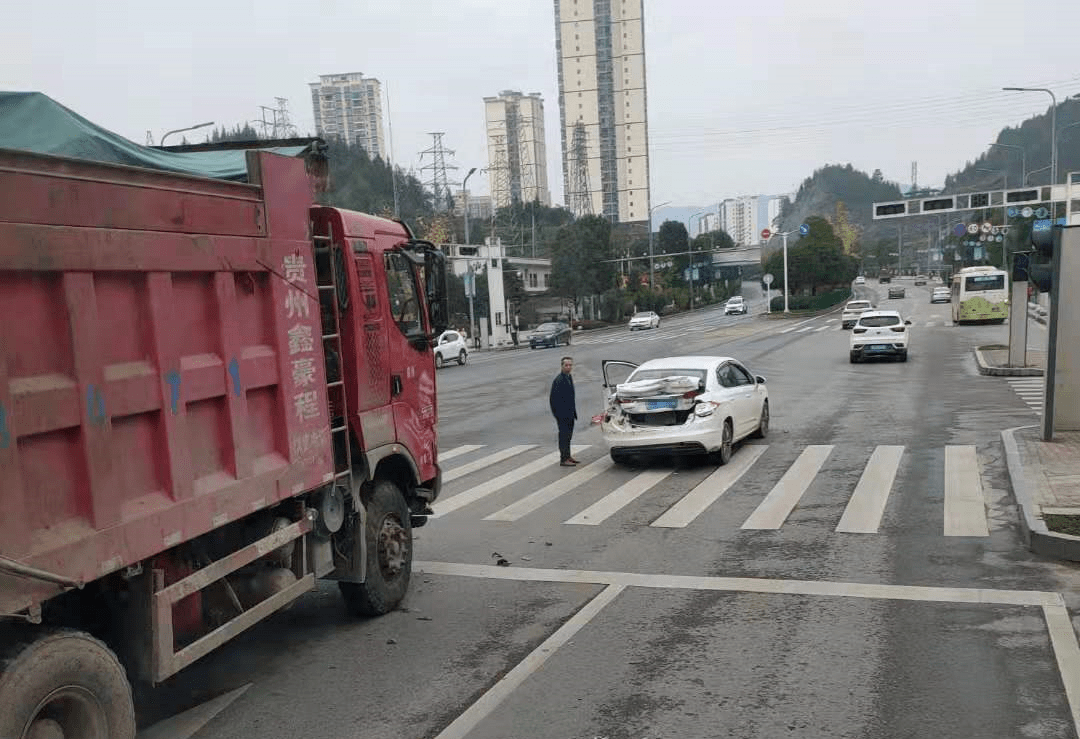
x=657 y=373
x=878 y=321
x=643 y=315
x=858 y=305
x=549 y=327
x=736 y=299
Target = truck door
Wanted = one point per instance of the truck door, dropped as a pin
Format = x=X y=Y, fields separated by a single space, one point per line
x=412 y=371
x=372 y=403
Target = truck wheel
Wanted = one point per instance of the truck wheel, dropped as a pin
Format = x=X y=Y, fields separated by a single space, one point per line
x=64 y=683
x=389 y=554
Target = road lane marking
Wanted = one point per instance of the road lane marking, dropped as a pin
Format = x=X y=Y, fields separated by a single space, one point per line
x=1067 y=651
x=458 y=451
x=965 y=509
x=867 y=504
x=785 y=495
x=548 y=493
x=826 y=588
x=694 y=503
x=464 y=724
x=483 y=462
x=619 y=498
x=442 y=507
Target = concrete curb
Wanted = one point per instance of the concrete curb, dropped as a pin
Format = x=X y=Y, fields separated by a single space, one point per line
x=1039 y=539
x=985 y=368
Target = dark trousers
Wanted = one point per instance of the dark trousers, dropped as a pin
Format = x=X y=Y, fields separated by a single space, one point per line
x=566 y=431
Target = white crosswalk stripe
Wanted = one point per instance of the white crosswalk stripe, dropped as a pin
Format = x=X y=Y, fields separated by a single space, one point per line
x=964 y=507
x=1031 y=390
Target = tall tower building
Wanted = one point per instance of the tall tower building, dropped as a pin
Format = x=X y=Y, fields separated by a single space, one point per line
x=600 y=46
x=517 y=154
x=349 y=107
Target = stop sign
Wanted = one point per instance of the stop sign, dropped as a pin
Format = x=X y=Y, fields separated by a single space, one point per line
x=765 y=234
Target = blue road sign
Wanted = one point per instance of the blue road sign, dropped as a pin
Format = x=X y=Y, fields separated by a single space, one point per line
x=1040 y=212
x=1041 y=225
x=959 y=229
x=1012 y=212
x=804 y=229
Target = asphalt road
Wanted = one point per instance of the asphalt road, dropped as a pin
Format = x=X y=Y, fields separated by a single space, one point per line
x=607 y=625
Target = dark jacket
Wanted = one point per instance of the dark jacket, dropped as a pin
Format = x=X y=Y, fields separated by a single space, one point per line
x=563 y=404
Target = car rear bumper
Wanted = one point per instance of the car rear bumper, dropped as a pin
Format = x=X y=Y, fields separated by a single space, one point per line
x=702 y=435
x=879 y=349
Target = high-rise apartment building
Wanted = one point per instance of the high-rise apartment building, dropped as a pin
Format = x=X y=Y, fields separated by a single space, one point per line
x=349 y=107
x=600 y=47
x=517 y=153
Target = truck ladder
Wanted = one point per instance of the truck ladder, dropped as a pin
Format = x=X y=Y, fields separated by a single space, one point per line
x=329 y=282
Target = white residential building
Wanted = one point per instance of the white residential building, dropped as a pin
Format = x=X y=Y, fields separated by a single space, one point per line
x=600 y=50
x=349 y=107
x=517 y=152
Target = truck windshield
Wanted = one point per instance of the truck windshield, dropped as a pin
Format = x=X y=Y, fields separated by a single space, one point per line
x=404 y=305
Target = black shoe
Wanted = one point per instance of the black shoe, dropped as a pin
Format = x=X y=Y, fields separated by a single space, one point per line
x=574 y=461
x=568 y=463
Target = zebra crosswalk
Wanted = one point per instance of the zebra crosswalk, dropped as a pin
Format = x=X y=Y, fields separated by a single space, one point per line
x=1031 y=390
x=834 y=324
x=603 y=490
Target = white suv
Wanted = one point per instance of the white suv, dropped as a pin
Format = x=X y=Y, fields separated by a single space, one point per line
x=852 y=311
x=735 y=304
x=451 y=345
x=880 y=333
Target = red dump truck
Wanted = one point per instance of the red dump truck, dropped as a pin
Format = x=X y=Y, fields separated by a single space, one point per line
x=211 y=393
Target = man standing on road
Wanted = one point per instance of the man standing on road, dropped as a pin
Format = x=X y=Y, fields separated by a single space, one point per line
x=564 y=408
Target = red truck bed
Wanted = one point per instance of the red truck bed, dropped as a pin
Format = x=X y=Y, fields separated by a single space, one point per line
x=162 y=369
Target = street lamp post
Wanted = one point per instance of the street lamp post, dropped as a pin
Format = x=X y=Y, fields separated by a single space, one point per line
x=651 y=274
x=783 y=236
x=1023 y=157
x=181 y=130
x=690 y=248
x=465 y=200
x=1035 y=171
x=1053 y=126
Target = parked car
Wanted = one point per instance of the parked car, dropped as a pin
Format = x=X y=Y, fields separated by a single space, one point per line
x=920 y=280
x=941 y=295
x=644 y=319
x=880 y=333
x=450 y=346
x=681 y=405
x=896 y=292
x=735 y=305
x=553 y=333
x=860 y=280
x=852 y=311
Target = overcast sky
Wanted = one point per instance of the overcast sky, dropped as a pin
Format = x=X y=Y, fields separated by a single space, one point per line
x=743 y=97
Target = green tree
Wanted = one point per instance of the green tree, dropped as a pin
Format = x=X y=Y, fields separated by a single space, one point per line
x=817 y=260
x=579 y=266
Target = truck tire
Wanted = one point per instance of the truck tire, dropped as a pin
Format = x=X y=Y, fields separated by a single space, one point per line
x=389 y=554
x=64 y=683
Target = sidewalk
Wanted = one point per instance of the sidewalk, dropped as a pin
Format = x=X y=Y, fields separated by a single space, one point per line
x=1045 y=475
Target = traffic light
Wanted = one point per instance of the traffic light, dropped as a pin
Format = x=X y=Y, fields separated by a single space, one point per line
x=890 y=210
x=938 y=204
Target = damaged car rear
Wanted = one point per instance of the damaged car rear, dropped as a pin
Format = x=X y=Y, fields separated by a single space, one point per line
x=681 y=406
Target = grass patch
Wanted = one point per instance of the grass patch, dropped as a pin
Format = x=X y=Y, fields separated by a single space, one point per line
x=812 y=302
x=1063 y=524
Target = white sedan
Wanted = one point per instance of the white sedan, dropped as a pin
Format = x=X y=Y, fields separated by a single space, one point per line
x=644 y=319
x=681 y=405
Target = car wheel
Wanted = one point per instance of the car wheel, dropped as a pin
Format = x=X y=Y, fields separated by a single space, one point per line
x=763 y=424
x=462 y=357
x=568 y=339
x=854 y=358
x=631 y=328
x=438 y=361
x=727 y=443
x=903 y=356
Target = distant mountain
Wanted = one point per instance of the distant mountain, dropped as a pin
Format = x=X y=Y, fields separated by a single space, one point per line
x=821 y=191
x=1033 y=138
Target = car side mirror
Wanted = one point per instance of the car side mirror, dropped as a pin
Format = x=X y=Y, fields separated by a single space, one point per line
x=759 y=379
x=907 y=323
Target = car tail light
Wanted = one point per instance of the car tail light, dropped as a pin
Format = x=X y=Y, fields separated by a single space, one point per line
x=859 y=331
x=691 y=394
x=898 y=329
